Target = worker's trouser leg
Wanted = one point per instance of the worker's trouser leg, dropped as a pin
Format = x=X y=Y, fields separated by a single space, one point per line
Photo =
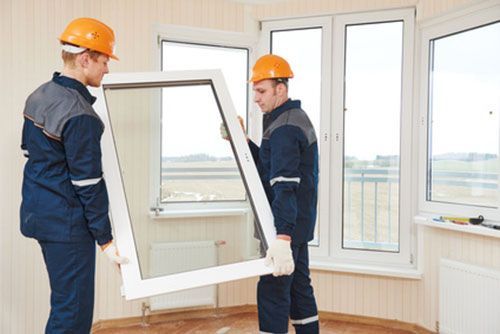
x=303 y=310
x=71 y=268
x=279 y=298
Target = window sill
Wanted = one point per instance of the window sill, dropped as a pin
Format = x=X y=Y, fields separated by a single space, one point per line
x=426 y=220
x=401 y=272
x=193 y=213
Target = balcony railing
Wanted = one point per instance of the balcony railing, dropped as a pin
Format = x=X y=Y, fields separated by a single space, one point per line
x=377 y=190
x=371 y=208
x=371 y=197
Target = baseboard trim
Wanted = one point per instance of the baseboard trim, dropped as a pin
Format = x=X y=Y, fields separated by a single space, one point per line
x=194 y=313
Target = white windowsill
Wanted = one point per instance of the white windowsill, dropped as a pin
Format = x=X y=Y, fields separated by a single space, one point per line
x=410 y=273
x=426 y=220
x=202 y=212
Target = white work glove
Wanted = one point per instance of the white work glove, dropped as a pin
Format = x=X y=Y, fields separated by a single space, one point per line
x=112 y=253
x=223 y=131
x=280 y=255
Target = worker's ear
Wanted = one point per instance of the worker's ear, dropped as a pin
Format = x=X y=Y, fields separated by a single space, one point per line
x=83 y=59
x=281 y=89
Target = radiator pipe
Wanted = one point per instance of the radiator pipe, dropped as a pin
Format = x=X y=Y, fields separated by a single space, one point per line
x=145 y=320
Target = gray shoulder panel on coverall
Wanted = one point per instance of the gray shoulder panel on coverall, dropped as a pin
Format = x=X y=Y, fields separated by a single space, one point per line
x=295 y=117
x=52 y=105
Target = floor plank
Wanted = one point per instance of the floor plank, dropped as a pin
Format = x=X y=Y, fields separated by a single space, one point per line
x=240 y=323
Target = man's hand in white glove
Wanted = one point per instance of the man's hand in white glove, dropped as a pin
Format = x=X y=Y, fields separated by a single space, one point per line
x=223 y=131
x=112 y=253
x=280 y=255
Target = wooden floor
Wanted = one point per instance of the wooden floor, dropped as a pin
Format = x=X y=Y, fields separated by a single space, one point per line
x=244 y=321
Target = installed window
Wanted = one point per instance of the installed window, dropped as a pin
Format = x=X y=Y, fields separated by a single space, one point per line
x=372 y=108
x=464 y=104
x=194 y=170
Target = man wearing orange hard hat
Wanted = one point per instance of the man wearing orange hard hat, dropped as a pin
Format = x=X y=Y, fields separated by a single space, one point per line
x=288 y=166
x=64 y=197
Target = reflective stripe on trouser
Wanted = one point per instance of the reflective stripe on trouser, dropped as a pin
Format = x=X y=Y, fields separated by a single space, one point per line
x=284 y=297
x=305 y=321
x=86 y=182
x=284 y=179
x=71 y=268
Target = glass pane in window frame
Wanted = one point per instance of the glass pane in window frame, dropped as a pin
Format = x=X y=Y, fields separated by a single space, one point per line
x=471 y=175
x=297 y=91
x=376 y=183
x=169 y=65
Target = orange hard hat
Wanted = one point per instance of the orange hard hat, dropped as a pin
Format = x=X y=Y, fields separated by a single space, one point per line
x=90 y=34
x=271 y=67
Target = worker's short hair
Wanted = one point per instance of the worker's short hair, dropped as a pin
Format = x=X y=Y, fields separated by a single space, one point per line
x=277 y=81
x=69 y=58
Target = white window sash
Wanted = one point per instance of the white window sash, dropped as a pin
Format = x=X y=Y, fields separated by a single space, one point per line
x=133 y=284
x=324 y=132
x=468 y=18
x=337 y=253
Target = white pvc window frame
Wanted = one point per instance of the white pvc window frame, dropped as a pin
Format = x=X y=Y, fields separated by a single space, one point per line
x=134 y=286
x=323 y=133
x=200 y=36
x=470 y=18
x=402 y=259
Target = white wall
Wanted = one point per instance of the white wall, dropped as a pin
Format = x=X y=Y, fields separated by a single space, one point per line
x=29 y=54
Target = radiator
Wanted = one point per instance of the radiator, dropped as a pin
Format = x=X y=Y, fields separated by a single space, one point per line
x=469 y=299
x=176 y=257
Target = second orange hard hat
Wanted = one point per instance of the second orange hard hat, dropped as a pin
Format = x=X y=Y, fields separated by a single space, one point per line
x=90 y=34
x=271 y=67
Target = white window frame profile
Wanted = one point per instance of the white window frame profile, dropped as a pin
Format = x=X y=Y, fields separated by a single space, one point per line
x=323 y=133
x=197 y=36
x=456 y=22
x=134 y=286
x=403 y=259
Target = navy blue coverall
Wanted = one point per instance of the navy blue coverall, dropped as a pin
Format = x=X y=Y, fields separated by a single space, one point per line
x=64 y=197
x=287 y=161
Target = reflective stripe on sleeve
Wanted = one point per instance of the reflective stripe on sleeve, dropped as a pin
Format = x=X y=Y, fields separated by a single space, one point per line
x=87 y=182
x=284 y=179
x=304 y=321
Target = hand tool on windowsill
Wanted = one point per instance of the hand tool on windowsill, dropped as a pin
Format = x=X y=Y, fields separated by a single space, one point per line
x=442 y=220
x=463 y=220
